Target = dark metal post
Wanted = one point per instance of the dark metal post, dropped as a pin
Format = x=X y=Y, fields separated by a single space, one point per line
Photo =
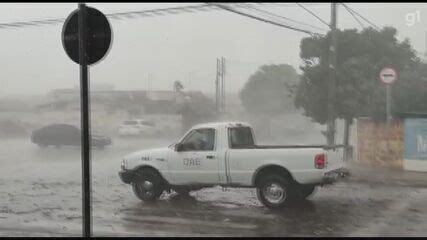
x=85 y=127
x=332 y=70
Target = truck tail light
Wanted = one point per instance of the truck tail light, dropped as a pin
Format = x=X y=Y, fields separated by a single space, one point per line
x=320 y=161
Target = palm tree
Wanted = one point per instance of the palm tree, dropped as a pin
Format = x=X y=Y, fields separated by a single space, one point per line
x=177 y=86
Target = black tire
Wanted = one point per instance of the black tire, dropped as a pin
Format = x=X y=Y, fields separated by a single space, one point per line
x=305 y=191
x=153 y=188
x=284 y=192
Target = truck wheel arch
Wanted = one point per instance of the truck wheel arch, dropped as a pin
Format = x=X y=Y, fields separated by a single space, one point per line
x=144 y=167
x=271 y=169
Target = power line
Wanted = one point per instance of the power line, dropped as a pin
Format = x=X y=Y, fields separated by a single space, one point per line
x=171 y=10
x=31 y=23
x=118 y=15
x=289 y=4
x=313 y=14
x=148 y=13
x=354 y=16
x=286 y=18
x=265 y=20
x=358 y=14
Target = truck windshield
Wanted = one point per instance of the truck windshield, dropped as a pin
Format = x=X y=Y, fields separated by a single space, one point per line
x=241 y=137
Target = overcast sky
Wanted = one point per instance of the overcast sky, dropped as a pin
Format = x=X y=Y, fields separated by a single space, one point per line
x=152 y=52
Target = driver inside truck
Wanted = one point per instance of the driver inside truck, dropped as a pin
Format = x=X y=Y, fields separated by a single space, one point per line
x=207 y=141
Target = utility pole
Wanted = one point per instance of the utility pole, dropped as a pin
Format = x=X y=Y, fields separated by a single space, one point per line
x=217 y=96
x=332 y=72
x=220 y=84
x=223 y=83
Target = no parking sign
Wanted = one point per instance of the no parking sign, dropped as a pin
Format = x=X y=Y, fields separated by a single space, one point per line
x=388 y=75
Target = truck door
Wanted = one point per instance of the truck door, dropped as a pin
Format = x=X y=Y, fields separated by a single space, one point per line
x=197 y=161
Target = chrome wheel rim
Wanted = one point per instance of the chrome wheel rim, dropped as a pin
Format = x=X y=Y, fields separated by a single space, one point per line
x=146 y=187
x=274 y=193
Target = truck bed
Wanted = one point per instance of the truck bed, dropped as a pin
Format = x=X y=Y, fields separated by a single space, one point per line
x=288 y=146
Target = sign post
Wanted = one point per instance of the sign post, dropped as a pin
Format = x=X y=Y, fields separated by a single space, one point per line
x=388 y=104
x=86 y=38
x=388 y=75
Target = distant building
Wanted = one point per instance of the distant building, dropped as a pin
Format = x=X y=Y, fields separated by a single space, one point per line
x=154 y=102
x=63 y=95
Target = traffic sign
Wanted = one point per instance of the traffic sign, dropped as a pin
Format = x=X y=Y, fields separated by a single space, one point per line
x=98 y=32
x=388 y=75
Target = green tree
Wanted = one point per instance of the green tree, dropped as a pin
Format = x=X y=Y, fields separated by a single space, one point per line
x=269 y=89
x=359 y=92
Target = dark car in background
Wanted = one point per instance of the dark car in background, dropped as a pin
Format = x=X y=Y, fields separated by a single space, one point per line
x=64 y=135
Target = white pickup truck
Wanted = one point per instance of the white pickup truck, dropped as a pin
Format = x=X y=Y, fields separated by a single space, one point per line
x=225 y=154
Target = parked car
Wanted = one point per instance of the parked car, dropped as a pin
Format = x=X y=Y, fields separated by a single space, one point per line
x=65 y=135
x=137 y=127
x=226 y=154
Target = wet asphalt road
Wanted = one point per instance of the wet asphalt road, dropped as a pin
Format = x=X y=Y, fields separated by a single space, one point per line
x=40 y=193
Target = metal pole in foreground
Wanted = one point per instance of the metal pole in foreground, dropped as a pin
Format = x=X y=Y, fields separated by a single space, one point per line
x=85 y=127
x=331 y=81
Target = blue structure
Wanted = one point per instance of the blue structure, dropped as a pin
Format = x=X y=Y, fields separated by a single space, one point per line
x=415 y=143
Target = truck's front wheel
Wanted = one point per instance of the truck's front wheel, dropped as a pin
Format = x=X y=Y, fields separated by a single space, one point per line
x=148 y=185
x=274 y=191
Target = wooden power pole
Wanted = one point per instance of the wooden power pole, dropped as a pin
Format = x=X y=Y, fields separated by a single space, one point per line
x=220 y=84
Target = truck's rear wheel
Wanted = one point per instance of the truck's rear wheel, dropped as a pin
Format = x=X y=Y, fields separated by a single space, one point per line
x=148 y=185
x=274 y=191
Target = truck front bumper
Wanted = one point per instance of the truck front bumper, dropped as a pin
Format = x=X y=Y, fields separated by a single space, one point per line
x=334 y=175
x=126 y=176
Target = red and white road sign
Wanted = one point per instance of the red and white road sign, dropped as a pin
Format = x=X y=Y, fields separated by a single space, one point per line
x=388 y=75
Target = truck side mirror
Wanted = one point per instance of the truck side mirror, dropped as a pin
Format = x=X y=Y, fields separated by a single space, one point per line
x=178 y=147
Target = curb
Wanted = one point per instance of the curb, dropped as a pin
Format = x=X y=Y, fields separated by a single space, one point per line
x=388 y=182
x=386 y=176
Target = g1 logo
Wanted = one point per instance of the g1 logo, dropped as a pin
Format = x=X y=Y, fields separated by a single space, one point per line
x=412 y=18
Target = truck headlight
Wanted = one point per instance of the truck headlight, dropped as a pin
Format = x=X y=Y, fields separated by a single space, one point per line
x=124 y=164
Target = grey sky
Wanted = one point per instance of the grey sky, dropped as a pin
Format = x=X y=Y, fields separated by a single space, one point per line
x=173 y=47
